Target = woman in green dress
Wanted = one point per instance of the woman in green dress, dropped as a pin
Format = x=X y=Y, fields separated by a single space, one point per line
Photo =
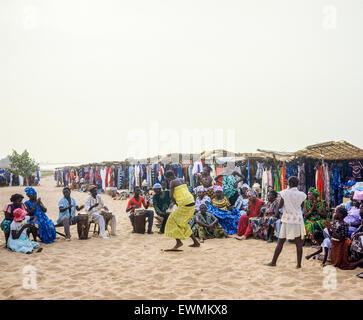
x=315 y=213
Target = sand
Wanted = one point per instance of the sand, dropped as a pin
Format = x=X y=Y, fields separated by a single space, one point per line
x=133 y=266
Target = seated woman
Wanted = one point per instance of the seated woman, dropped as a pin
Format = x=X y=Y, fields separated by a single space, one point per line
x=356 y=247
x=205 y=180
x=242 y=201
x=339 y=235
x=230 y=184
x=353 y=217
x=201 y=198
x=18 y=240
x=16 y=202
x=208 y=226
x=35 y=207
x=263 y=226
x=253 y=211
x=221 y=208
x=315 y=213
x=219 y=200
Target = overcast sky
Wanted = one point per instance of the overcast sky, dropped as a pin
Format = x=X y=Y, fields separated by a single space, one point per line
x=79 y=79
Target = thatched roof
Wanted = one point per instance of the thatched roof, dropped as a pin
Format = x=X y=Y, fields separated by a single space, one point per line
x=331 y=150
x=278 y=155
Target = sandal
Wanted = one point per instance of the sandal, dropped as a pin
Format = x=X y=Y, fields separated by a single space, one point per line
x=360 y=275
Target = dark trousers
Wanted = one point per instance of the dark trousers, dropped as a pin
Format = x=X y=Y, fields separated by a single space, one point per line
x=162 y=228
x=149 y=214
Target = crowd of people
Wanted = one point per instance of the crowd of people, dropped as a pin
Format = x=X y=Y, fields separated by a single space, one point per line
x=216 y=208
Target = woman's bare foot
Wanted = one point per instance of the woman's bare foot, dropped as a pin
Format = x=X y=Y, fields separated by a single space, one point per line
x=40 y=250
x=298 y=266
x=194 y=245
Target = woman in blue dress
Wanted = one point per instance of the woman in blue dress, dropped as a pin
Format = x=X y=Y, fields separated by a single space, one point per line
x=36 y=208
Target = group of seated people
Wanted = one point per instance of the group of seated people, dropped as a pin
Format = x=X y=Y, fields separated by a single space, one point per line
x=245 y=214
x=221 y=209
x=22 y=219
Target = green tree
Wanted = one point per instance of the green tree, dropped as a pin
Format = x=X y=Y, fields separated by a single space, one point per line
x=22 y=165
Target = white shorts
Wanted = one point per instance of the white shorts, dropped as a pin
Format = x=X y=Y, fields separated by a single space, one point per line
x=291 y=231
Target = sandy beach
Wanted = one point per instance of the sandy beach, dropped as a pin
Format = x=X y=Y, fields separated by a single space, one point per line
x=133 y=266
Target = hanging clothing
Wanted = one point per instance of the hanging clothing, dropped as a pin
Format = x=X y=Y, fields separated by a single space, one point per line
x=319 y=182
x=283 y=177
x=357 y=167
x=103 y=173
x=302 y=178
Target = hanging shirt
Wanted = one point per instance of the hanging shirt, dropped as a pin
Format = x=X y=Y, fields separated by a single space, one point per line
x=357 y=167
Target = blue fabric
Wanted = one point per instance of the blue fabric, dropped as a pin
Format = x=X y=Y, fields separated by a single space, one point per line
x=29 y=191
x=291 y=169
x=46 y=226
x=227 y=219
x=249 y=176
x=22 y=244
x=63 y=203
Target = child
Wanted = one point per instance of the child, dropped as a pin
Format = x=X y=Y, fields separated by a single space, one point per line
x=19 y=240
x=325 y=244
x=339 y=234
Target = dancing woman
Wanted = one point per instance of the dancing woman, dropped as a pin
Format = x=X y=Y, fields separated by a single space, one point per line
x=177 y=226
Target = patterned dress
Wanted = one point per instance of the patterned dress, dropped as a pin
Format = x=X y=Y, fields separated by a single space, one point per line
x=262 y=225
x=206 y=233
x=314 y=222
x=177 y=226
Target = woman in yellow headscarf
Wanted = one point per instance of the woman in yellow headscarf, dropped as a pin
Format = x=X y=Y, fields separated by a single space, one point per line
x=177 y=226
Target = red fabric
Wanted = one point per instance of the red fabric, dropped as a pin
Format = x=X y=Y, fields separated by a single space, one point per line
x=244 y=228
x=339 y=255
x=110 y=184
x=107 y=173
x=98 y=177
x=283 y=177
x=133 y=202
x=320 y=183
x=255 y=208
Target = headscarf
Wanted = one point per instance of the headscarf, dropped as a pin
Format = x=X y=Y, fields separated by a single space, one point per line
x=218 y=188
x=199 y=188
x=314 y=191
x=157 y=186
x=245 y=185
x=30 y=191
x=252 y=193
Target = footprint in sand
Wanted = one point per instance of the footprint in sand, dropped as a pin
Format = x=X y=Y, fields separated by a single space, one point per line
x=287 y=284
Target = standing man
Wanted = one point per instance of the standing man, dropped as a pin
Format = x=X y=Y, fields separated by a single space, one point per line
x=94 y=205
x=67 y=212
x=135 y=203
x=292 y=222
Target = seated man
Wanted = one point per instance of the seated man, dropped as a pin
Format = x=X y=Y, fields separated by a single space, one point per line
x=94 y=205
x=161 y=202
x=135 y=203
x=208 y=226
x=67 y=212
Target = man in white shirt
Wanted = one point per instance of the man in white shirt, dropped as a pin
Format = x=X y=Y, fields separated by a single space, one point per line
x=292 y=221
x=94 y=204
